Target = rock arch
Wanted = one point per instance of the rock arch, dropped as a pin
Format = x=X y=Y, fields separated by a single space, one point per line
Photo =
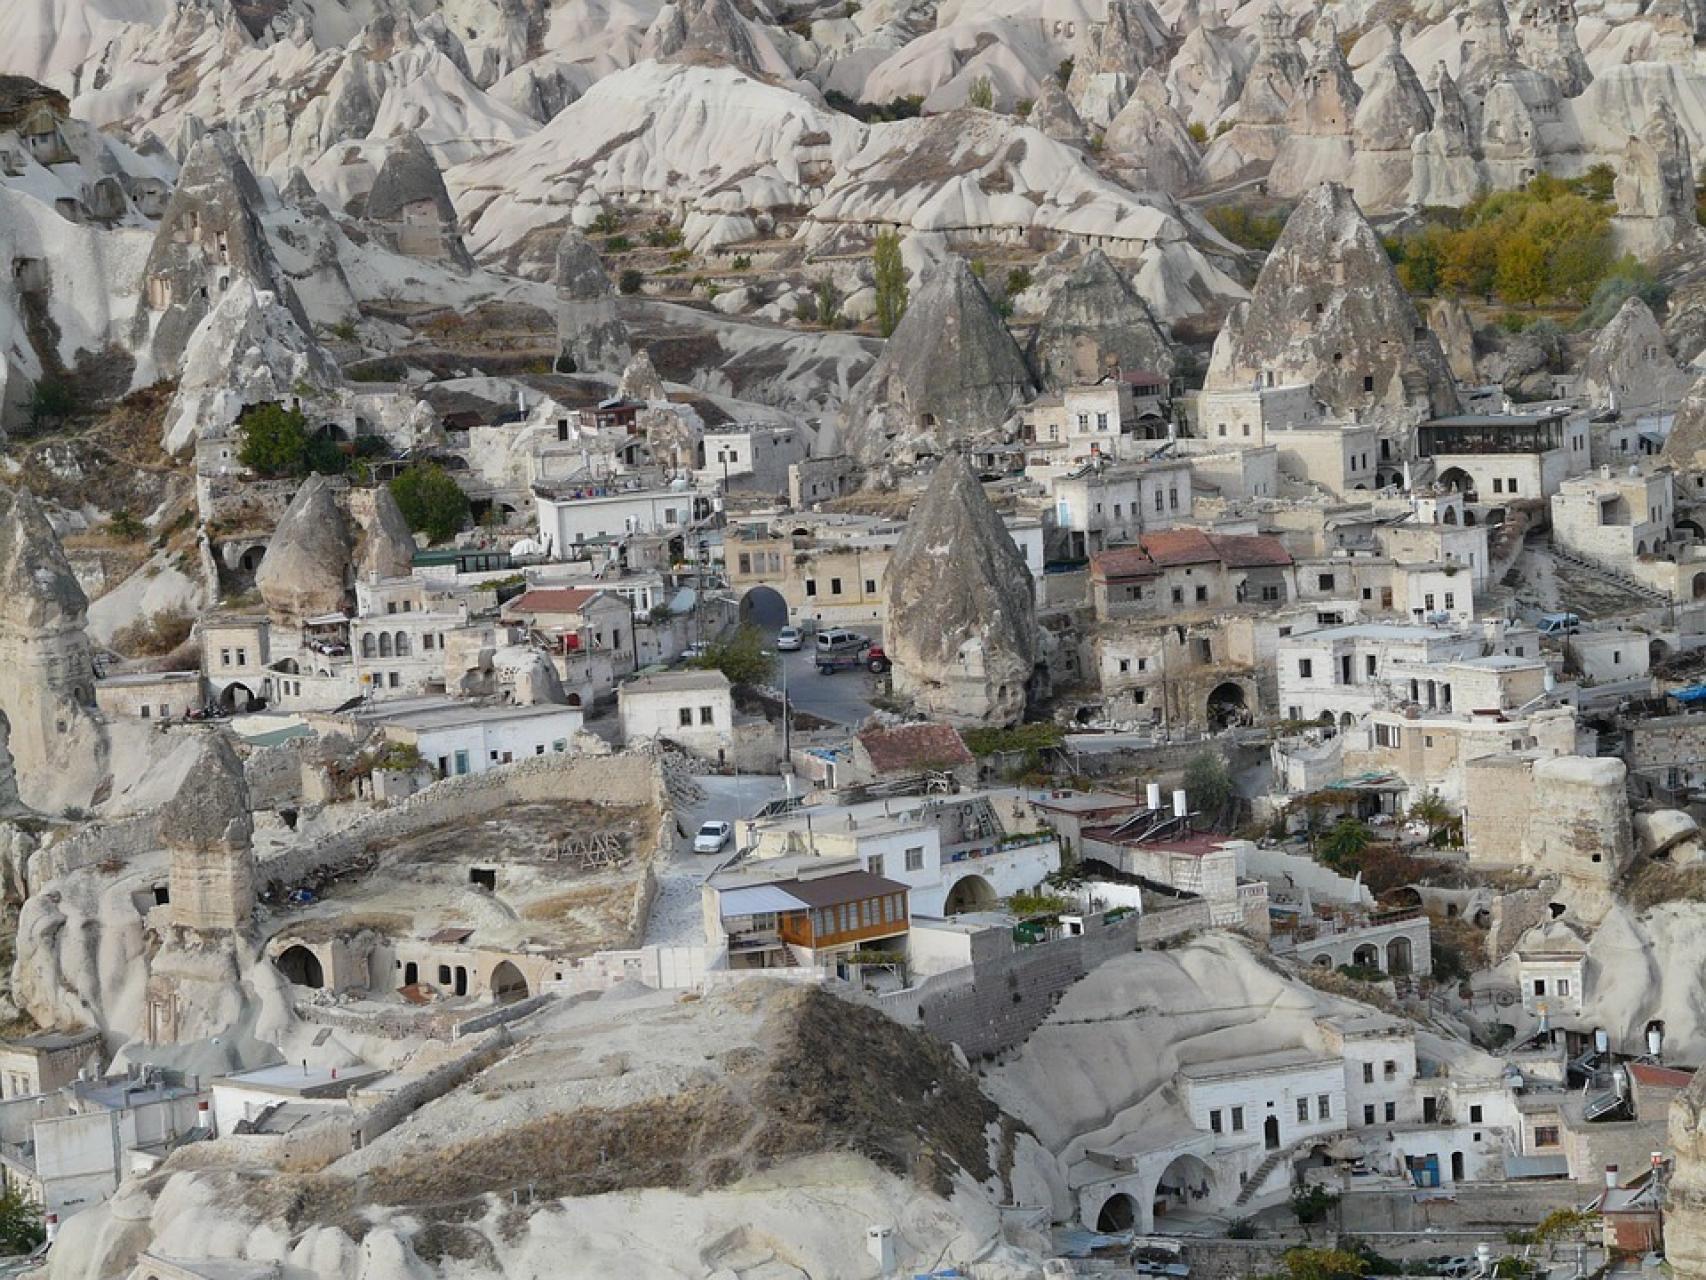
x=507 y=984
x=764 y=607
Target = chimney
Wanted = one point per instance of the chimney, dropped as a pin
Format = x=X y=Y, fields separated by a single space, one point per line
x=1180 y=808
x=1611 y=1177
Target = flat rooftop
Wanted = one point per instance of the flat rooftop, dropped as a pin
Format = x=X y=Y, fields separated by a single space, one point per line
x=296 y=1080
x=448 y=713
x=1259 y=1064
x=676 y=682
x=141 y=678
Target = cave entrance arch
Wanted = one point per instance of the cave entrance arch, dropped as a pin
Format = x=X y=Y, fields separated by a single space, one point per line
x=764 y=607
x=301 y=967
x=508 y=985
x=1227 y=705
x=1119 y=1214
x=1185 y=1183
x=970 y=893
x=1400 y=955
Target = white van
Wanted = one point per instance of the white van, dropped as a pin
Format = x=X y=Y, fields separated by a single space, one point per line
x=840 y=640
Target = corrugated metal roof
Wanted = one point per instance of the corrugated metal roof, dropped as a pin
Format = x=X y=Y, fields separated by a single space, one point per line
x=1536 y=1167
x=756 y=900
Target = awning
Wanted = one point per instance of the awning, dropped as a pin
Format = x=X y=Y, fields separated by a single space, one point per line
x=758 y=899
x=1536 y=1167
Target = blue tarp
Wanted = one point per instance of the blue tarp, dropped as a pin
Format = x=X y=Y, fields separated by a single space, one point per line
x=1690 y=695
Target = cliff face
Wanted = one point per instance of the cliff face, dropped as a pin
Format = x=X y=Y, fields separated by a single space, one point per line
x=1328 y=310
x=1096 y=324
x=1685 y=1197
x=962 y=628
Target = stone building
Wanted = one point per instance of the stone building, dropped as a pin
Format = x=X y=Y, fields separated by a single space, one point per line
x=1612 y=518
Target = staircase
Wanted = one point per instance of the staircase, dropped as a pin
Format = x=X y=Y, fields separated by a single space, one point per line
x=1616 y=578
x=1247 y=1192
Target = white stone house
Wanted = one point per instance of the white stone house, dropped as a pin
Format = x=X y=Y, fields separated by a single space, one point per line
x=1611 y=518
x=571 y=518
x=1379 y=1056
x=458 y=737
x=1115 y=504
x=693 y=709
x=1347 y=672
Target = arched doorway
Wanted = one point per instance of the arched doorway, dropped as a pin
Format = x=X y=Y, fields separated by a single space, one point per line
x=411 y=974
x=237 y=697
x=1450 y=516
x=301 y=967
x=1366 y=956
x=1700 y=586
x=1657 y=652
x=1400 y=955
x=1119 y=1214
x=508 y=985
x=251 y=559
x=1458 y=481
x=970 y=893
x=765 y=608
x=1185 y=1183
x=1226 y=706
x=1270 y=1133
x=1324 y=960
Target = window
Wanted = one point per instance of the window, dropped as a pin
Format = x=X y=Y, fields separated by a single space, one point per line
x=1160 y=500
x=1368 y=1073
x=870 y=586
x=1563 y=986
x=835 y=586
x=745 y=562
x=1323 y=1107
x=669 y=515
x=1125 y=665
x=1101 y=422
x=811 y=586
x=1391 y=1112
x=1305 y=668
x=706 y=716
x=1391 y=1070
x=145 y=711
x=242 y=657
x=1451 y=600
x=1616 y=657
x=1371 y=664
x=1428 y=601
x=1498 y=485
x=1475 y=1113
x=915 y=858
x=1303 y=1111
x=1178 y=595
x=1324 y=581
x=1545 y=1135
x=1237 y=1119
x=1173 y=499
x=1214 y=1121
x=1270 y=592
x=1540 y=986
x=1202 y=592
x=390 y=606
x=1368 y=1114
x=685 y=716
x=225 y=657
x=391 y=679
x=1510 y=485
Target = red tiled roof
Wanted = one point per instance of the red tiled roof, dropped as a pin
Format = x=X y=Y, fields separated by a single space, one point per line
x=1658 y=1077
x=551 y=600
x=909 y=747
x=1235 y=551
x=1122 y=562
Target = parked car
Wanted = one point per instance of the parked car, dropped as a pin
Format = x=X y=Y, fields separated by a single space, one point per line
x=713 y=837
x=1558 y=624
x=838 y=640
x=692 y=651
x=869 y=656
x=789 y=639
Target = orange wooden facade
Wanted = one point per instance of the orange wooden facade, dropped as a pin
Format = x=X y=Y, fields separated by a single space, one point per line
x=840 y=924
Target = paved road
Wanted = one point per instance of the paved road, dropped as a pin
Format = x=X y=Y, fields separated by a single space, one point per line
x=676 y=918
x=844 y=697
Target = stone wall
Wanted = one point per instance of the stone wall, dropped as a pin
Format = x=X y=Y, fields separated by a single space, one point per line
x=121 y=841
x=626 y=779
x=1007 y=991
x=274 y=774
x=400 y=1105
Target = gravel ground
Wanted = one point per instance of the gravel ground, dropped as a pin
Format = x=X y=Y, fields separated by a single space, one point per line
x=677 y=918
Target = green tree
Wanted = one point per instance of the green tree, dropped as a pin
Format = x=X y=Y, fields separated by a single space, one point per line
x=1471 y=262
x=741 y=657
x=1598 y=182
x=1208 y=783
x=982 y=95
x=20 y=1222
x=631 y=281
x=430 y=500
x=1342 y=847
x=1063 y=73
x=828 y=306
x=890 y=279
x=275 y=441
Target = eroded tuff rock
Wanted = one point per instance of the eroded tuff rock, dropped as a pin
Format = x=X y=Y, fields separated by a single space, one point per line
x=1546 y=41
x=1095 y=325
x=1149 y=142
x=1258 y=120
x=1449 y=319
x=1394 y=112
x=688 y=30
x=640 y=379
x=591 y=338
x=1328 y=310
x=1655 y=188
x=1629 y=367
x=306 y=569
x=1131 y=40
x=1054 y=115
x=949 y=372
x=1317 y=145
x=409 y=206
x=1445 y=167
x=1686 y=445
x=384 y=544
x=209 y=239
x=47 y=678
x=962 y=628
x=1685 y=1195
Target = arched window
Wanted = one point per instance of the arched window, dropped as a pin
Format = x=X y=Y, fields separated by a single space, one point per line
x=384 y=644
x=402 y=643
x=369 y=646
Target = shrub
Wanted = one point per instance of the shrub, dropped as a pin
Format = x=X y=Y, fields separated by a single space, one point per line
x=607 y=223
x=631 y=281
x=157 y=634
x=1208 y=783
x=123 y=525
x=1245 y=229
x=430 y=500
x=742 y=262
x=53 y=401
x=618 y=244
x=1063 y=73
x=982 y=95
x=1199 y=135
x=1018 y=280
x=741 y=657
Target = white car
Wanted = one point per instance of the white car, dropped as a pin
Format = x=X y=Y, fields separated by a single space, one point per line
x=713 y=837
x=789 y=639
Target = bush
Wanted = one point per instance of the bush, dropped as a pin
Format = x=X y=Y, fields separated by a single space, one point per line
x=607 y=223
x=618 y=244
x=1309 y=1207
x=126 y=527
x=1208 y=783
x=1063 y=73
x=982 y=95
x=1199 y=135
x=1245 y=229
x=742 y=262
x=20 y=1222
x=631 y=281
x=1018 y=280
x=1629 y=279
x=157 y=634
x=52 y=402
x=430 y=500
